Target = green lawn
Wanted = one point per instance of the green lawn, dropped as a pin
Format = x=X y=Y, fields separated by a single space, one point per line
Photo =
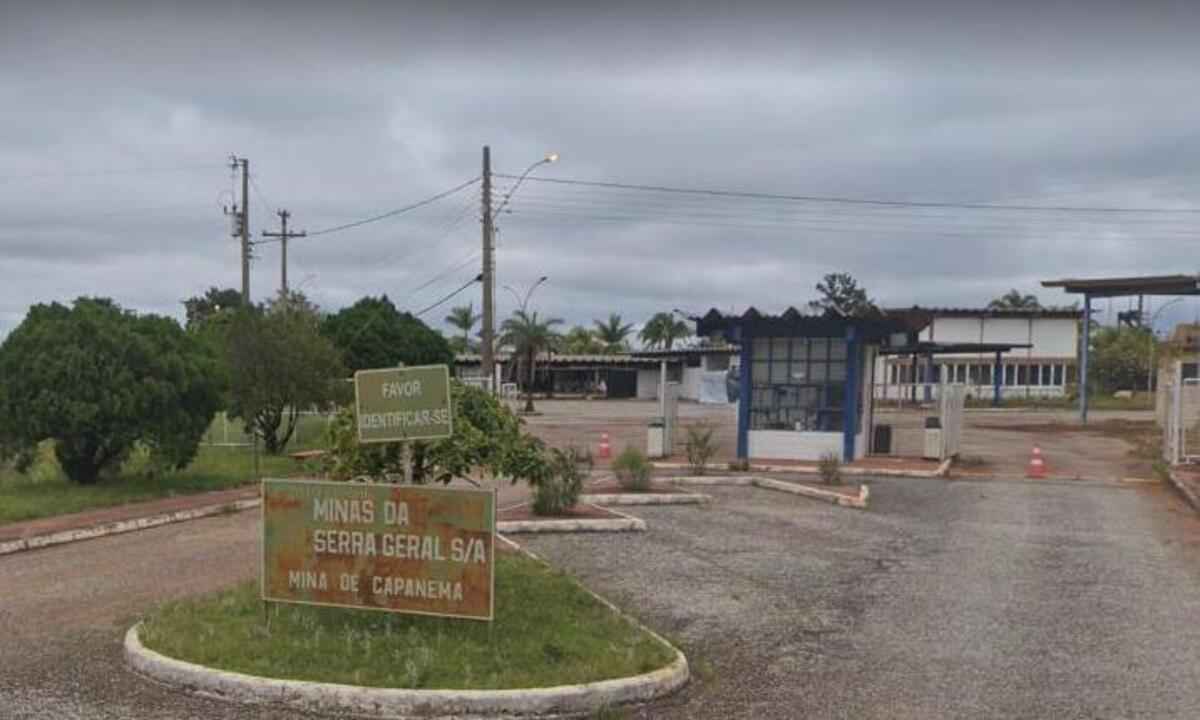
x=44 y=491
x=1140 y=401
x=547 y=631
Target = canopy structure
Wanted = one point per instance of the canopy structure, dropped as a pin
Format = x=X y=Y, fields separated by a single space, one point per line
x=927 y=350
x=1116 y=287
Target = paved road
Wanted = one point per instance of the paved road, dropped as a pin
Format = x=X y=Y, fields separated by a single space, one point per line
x=967 y=599
x=960 y=600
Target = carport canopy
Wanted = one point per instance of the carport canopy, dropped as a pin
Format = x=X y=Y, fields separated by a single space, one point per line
x=928 y=349
x=1116 y=287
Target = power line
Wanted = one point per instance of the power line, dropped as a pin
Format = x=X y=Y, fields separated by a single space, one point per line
x=469 y=283
x=842 y=200
x=458 y=266
x=397 y=211
x=262 y=196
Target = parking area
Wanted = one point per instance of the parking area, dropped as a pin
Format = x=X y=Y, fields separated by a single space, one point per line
x=1116 y=444
x=994 y=599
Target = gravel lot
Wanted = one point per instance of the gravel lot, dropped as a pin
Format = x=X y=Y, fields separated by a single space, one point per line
x=944 y=600
x=959 y=600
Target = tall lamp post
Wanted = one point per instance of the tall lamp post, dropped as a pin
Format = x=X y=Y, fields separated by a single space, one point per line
x=523 y=301
x=1153 y=344
x=489 y=263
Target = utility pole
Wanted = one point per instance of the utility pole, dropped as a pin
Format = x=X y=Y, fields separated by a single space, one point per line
x=242 y=216
x=283 y=236
x=487 y=359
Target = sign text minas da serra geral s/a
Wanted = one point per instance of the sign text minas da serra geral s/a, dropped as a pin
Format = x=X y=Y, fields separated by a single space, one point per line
x=411 y=403
x=402 y=548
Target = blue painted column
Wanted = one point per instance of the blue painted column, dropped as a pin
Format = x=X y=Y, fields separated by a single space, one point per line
x=997 y=375
x=1083 y=358
x=744 y=394
x=850 y=401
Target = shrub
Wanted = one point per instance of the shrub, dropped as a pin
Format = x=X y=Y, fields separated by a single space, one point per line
x=700 y=447
x=632 y=469
x=98 y=381
x=559 y=488
x=830 y=468
x=739 y=465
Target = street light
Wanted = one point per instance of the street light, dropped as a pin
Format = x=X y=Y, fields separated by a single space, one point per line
x=1153 y=345
x=547 y=160
x=524 y=301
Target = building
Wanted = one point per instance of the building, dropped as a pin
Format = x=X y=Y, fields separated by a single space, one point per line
x=562 y=374
x=700 y=371
x=805 y=384
x=1046 y=368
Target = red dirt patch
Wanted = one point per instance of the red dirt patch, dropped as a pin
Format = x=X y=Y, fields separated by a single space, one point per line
x=610 y=487
x=582 y=511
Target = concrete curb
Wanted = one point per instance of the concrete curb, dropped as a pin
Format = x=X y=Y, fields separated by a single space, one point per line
x=607 y=499
x=846 y=470
x=561 y=701
x=622 y=523
x=123 y=526
x=1187 y=492
x=860 y=502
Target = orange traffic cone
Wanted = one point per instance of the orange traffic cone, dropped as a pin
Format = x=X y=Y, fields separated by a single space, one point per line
x=604 y=452
x=1037 y=467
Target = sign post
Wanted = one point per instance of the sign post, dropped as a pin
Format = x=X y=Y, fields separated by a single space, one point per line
x=398 y=548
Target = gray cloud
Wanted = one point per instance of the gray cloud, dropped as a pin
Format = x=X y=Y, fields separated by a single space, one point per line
x=351 y=109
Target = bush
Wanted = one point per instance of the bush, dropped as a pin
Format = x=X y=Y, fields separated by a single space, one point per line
x=700 y=447
x=830 y=468
x=559 y=488
x=739 y=465
x=99 y=380
x=632 y=469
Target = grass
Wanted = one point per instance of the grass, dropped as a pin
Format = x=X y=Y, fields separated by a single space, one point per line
x=44 y=491
x=548 y=631
x=1139 y=401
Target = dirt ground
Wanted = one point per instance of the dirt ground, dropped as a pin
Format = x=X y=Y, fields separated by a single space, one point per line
x=1114 y=446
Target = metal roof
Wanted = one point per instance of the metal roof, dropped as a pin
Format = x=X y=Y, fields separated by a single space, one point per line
x=685 y=352
x=562 y=359
x=793 y=322
x=994 y=312
x=937 y=348
x=1123 y=286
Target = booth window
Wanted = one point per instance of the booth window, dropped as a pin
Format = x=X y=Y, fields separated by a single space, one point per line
x=798 y=384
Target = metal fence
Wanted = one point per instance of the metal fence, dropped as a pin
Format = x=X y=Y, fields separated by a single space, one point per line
x=312 y=428
x=1181 y=419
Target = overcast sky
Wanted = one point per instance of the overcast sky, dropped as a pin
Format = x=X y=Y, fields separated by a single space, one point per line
x=118 y=120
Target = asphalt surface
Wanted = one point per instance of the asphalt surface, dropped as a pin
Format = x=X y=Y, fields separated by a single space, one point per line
x=944 y=600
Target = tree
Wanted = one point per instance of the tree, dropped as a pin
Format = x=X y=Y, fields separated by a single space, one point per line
x=463 y=318
x=662 y=330
x=97 y=380
x=1120 y=359
x=581 y=341
x=529 y=336
x=1014 y=300
x=200 y=307
x=279 y=364
x=372 y=333
x=613 y=333
x=841 y=295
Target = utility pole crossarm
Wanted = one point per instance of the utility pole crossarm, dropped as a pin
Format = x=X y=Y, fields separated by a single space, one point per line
x=283 y=235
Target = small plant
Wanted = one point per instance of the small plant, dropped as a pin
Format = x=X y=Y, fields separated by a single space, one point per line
x=632 y=470
x=739 y=465
x=830 y=468
x=558 y=488
x=700 y=447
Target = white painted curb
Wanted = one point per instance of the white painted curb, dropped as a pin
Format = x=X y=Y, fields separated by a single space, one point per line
x=622 y=523
x=1184 y=490
x=811 y=470
x=553 y=702
x=860 y=502
x=607 y=499
x=123 y=526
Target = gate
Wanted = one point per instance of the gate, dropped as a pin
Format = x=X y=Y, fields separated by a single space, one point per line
x=1181 y=426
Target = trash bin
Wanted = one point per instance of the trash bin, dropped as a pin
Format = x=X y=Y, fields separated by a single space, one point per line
x=933 y=438
x=881 y=444
x=655 y=436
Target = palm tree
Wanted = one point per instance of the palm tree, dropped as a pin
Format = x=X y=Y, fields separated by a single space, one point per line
x=529 y=336
x=581 y=341
x=464 y=318
x=662 y=330
x=1014 y=300
x=613 y=333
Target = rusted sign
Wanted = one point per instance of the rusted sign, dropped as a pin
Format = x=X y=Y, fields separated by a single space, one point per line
x=411 y=403
x=401 y=548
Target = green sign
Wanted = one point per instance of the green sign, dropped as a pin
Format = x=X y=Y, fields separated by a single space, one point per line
x=411 y=403
x=400 y=548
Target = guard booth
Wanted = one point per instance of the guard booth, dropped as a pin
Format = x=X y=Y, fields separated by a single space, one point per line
x=805 y=382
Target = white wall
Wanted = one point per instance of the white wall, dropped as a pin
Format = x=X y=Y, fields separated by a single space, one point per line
x=689 y=389
x=788 y=445
x=1050 y=337
x=647 y=384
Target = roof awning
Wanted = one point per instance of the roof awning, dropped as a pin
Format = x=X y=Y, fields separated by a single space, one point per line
x=1125 y=286
x=936 y=348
